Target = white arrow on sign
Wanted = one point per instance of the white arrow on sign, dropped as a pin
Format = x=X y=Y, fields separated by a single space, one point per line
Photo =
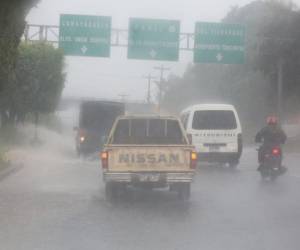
x=219 y=57
x=153 y=53
x=84 y=49
x=172 y=29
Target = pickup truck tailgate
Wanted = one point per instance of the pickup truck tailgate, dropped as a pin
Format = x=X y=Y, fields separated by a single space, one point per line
x=149 y=159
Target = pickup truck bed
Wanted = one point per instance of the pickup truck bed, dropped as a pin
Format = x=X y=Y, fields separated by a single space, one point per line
x=148 y=164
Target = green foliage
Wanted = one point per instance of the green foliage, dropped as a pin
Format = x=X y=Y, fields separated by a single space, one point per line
x=12 y=25
x=39 y=77
x=4 y=162
x=273 y=34
x=220 y=84
x=11 y=136
x=50 y=121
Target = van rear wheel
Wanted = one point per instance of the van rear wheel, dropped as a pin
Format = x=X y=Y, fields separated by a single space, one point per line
x=233 y=164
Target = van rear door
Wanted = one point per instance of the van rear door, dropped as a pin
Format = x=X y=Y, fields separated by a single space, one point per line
x=215 y=130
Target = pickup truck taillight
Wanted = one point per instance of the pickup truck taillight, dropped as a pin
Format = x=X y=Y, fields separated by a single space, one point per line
x=194 y=159
x=104 y=159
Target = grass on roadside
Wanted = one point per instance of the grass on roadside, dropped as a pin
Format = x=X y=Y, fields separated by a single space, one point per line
x=10 y=136
x=4 y=162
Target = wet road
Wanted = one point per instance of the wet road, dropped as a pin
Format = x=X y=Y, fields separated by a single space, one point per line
x=57 y=202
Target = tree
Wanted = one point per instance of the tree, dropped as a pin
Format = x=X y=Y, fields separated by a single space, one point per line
x=273 y=36
x=12 y=25
x=39 y=79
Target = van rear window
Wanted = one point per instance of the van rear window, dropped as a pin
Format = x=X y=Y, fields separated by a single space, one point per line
x=148 y=131
x=214 y=120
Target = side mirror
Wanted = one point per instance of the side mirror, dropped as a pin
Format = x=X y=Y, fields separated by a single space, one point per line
x=190 y=138
x=104 y=139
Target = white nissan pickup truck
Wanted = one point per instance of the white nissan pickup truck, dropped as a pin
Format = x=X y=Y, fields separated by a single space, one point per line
x=148 y=152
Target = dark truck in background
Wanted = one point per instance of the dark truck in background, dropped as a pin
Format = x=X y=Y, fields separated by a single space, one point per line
x=95 y=121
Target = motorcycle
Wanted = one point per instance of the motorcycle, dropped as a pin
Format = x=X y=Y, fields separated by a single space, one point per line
x=271 y=163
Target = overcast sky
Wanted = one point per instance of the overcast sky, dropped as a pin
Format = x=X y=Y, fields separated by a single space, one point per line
x=107 y=78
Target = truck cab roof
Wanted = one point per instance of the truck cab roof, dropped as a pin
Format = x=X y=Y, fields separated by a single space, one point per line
x=148 y=129
x=209 y=106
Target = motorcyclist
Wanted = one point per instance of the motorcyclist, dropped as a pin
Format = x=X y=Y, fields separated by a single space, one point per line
x=271 y=135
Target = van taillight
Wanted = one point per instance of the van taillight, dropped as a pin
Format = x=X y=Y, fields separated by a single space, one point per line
x=104 y=159
x=240 y=144
x=194 y=159
x=190 y=138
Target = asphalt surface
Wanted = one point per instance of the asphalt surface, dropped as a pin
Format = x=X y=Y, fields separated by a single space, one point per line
x=56 y=201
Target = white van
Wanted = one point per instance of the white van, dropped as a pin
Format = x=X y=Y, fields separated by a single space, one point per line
x=216 y=132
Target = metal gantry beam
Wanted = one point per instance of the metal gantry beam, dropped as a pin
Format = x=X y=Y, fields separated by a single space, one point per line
x=119 y=37
x=47 y=33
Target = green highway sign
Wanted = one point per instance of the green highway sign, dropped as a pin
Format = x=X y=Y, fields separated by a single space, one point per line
x=85 y=35
x=220 y=43
x=153 y=39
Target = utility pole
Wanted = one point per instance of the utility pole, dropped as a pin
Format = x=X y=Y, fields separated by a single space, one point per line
x=123 y=97
x=162 y=69
x=149 y=78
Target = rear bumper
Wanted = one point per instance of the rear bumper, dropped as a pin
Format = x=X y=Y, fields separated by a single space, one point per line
x=218 y=157
x=168 y=178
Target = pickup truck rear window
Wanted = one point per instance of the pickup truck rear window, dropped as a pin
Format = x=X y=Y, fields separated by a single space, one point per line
x=148 y=131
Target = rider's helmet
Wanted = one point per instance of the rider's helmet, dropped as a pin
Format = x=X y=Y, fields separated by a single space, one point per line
x=272 y=120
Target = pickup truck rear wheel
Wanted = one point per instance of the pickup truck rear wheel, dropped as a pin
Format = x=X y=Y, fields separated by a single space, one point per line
x=111 y=191
x=233 y=164
x=184 y=191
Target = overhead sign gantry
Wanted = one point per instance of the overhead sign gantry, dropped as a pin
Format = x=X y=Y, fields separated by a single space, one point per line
x=220 y=43
x=81 y=35
x=153 y=39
